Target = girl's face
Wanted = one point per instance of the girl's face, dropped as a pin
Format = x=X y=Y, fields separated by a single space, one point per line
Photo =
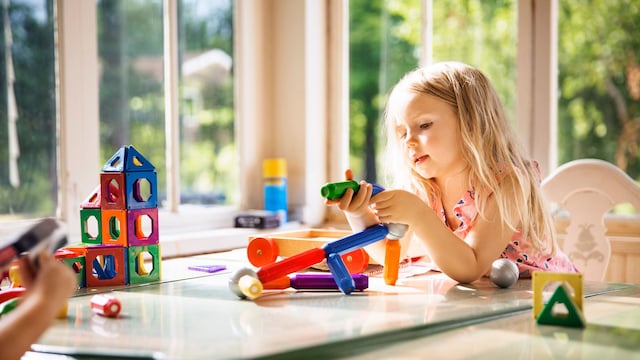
x=428 y=129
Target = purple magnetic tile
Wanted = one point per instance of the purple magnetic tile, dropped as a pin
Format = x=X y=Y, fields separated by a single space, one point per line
x=208 y=268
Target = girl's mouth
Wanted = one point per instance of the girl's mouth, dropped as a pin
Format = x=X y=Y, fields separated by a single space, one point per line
x=420 y=159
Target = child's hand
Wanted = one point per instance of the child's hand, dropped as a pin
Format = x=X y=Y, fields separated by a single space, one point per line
x=398 y=206
x=354 y=205
x=48 y=289
x=52 y=280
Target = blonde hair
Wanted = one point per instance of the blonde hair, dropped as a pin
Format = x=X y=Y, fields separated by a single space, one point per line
x=489 y=146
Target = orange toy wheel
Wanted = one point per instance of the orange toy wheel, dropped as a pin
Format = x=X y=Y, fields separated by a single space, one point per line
x=356 y=261
x=262 y=251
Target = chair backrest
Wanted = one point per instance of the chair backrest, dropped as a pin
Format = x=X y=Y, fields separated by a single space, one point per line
x=588 y=189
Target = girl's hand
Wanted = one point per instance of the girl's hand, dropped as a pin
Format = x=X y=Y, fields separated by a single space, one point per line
x=52 y=280
x=398 y=206
x=354 y=204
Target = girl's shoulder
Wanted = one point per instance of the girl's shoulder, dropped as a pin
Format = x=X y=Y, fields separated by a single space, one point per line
x=531 y=167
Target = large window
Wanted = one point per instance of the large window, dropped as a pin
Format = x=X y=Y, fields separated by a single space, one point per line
x=111 y=74
x=389 y=38
x=132 y=93
x=261 y=79
x=27 y=110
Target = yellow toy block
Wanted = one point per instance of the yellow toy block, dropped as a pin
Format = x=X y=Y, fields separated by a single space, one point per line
x=542 y=278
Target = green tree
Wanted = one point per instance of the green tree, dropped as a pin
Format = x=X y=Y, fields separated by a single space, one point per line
x=385 y=42
x=599 y=81
x=34 y=88
x=381 y=50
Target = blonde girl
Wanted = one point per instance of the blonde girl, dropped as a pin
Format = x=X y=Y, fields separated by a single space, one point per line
x=460 y=179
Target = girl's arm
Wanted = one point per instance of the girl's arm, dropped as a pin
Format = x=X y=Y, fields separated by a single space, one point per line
x=47 y=293
x=463 y=260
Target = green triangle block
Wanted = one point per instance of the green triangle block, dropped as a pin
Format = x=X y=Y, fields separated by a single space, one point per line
x=126 y=159
x=573 y=318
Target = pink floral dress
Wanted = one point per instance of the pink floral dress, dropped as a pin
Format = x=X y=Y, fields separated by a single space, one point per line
x=517 y=250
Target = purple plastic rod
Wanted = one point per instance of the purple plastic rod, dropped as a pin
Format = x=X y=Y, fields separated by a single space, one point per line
x=325 y=281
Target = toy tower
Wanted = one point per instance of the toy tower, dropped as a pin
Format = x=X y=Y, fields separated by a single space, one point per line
x=125 y=209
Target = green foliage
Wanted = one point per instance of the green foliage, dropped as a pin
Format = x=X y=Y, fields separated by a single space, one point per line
x=597 y=47
x=382 y=49
x=481 y=34
x=598 y=113
x=32 y=54
x=132 y=95
x=385 y=43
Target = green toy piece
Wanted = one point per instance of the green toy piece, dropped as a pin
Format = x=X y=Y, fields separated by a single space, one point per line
x=8 y=306
x=335 y=190
x=85 y=216
x=138 y=273
x=573 y=317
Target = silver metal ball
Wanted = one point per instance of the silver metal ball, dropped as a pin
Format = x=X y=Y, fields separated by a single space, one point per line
x=504 y=273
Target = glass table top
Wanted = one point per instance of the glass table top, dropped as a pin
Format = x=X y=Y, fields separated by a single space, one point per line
x=612 y=331
x=194 y=315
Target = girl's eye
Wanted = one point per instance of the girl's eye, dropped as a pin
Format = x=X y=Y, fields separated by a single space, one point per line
x=426 y=125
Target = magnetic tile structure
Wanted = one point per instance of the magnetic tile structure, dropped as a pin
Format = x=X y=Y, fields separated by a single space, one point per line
x=119 y=225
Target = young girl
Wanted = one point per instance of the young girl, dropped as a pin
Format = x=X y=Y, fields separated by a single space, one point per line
x=460 y=179
x=47 y=292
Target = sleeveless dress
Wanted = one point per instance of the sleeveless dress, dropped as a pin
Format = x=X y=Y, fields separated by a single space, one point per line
x=519 y=248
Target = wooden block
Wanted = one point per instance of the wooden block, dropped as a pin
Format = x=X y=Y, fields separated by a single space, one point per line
x=294 y=242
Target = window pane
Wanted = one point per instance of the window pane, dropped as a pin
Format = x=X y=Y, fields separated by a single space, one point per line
x=384 y=44
x=130 y=50
x=599 y=82
x=208 y=171
x=28 y=181
x=132 y=92
x=482 y=34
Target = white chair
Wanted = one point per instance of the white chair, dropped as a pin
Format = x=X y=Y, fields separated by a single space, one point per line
x=588 y=189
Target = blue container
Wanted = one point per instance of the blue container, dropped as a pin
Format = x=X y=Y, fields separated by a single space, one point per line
x=275 y=187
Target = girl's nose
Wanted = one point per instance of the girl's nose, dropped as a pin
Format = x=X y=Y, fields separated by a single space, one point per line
x=410 y=140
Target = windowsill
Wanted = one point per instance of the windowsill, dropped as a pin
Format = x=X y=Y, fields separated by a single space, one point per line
x=193 y=230
x=214 y=240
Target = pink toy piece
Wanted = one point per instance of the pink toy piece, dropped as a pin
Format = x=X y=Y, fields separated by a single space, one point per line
x=105 y=305
x=135 y=225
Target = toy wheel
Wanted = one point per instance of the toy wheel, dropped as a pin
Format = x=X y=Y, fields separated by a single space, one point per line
x=356 y=261
x=262 y=251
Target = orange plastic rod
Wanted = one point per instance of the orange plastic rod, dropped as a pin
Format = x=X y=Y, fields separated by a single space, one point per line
x=391 y=261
